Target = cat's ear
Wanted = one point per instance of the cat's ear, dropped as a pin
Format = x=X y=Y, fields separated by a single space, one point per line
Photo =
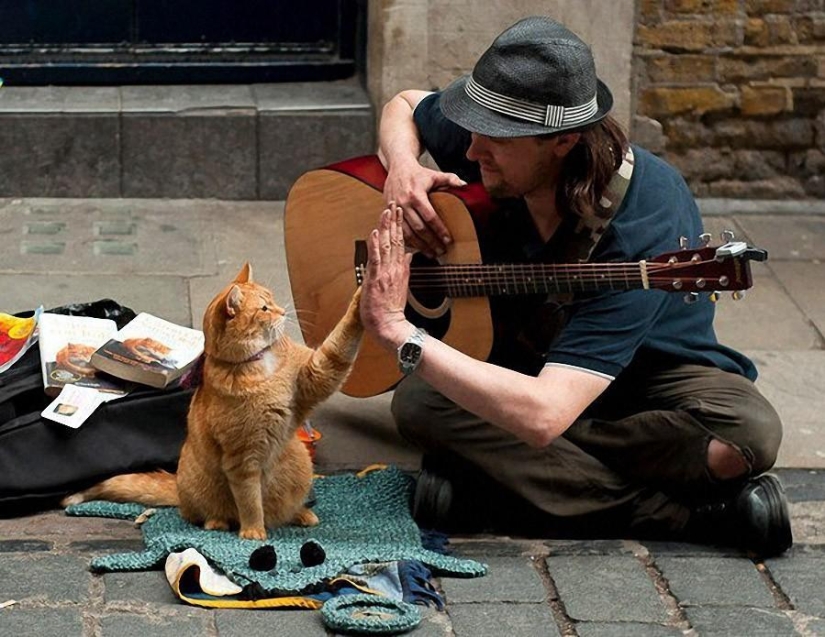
x=233 y=301
x=245 y=275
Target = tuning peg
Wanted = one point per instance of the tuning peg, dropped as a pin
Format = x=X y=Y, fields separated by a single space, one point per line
x=727 y=236
x=738 y=295
x=684 y=243
x=691 y=298
x=705 y=238
x=714 y=297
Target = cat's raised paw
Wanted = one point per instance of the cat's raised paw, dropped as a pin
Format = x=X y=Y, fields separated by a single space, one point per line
x=253 y=533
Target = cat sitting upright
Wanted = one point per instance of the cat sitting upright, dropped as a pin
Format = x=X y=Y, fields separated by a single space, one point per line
x=242 y=463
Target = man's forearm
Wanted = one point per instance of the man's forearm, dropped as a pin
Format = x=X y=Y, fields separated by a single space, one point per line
x=398 y=139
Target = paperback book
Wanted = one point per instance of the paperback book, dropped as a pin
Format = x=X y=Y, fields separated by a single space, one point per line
x=149 y=350
x=66 y=347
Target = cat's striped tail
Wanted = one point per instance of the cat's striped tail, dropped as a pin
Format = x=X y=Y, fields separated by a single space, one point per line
x=158 y=488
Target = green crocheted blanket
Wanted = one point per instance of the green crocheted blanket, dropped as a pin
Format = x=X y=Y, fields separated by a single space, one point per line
x=363 y=519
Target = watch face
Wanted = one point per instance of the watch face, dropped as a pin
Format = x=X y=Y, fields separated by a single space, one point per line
x=410 y=353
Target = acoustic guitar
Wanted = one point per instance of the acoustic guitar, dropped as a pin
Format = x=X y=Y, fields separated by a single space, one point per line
x=330 y=212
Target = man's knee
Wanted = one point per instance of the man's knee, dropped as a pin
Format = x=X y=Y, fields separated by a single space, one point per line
x=767 y=428
x=751 y=449
x=757 y=429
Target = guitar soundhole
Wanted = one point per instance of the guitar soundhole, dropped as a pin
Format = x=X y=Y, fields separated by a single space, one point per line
x=430 y=307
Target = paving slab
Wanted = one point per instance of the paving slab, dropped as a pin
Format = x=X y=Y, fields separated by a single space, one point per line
x=51 y=622
x=434 y=623
x=508 y=579
x=812 y=626
x=245 y=232
x=495 y=620
x=797 y=238
x=754 y=622
x=698 y=581
x=157 y=626
x=803 y=485
x=803 y=444
x=767 y=318
x=622 y=629
x=804 y=281
x=149 y=587
x=358 y=432
x=808 y=522
x=121 y=237
x=801 y=577
x=613 y=589
x=163 y=296
x=243 y=623
x=44 y=578
x=24 y=546
x=57 y=527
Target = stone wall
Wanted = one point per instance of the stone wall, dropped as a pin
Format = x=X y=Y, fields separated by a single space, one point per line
x=733 y=93
x=427 y=43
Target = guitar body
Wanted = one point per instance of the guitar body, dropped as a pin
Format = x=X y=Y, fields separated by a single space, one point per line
x=327 y=211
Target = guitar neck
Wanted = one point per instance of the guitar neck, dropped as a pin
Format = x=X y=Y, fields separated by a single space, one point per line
x=540 y=278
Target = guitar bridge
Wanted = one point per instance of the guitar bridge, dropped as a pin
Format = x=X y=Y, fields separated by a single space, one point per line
x=360 y=264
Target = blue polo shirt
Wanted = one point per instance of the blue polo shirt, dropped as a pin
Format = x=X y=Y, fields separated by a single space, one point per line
x=602 y=332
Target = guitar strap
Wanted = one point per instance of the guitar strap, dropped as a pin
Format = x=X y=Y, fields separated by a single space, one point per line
x=591 y=227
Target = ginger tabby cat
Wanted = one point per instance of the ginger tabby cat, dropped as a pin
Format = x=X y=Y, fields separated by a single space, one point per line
x=242 y=463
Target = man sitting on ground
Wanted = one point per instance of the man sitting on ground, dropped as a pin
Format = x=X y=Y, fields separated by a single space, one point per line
x=614 y=413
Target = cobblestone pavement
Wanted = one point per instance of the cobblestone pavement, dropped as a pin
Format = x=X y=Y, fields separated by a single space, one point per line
x=169 y=257
x=533 y=587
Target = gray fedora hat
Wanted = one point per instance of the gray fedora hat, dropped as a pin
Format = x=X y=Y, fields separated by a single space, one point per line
x=536 y=78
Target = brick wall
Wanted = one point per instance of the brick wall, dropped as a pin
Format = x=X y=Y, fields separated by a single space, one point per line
x=732 y=92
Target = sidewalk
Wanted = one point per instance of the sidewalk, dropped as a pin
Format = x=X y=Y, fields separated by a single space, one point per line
x=169 y=257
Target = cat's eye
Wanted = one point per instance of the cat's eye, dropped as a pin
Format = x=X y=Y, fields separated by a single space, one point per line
x=265 y=308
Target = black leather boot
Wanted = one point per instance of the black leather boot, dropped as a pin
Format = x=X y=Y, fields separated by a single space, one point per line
x=455 y=496
x=755 y=519
x=432 y=500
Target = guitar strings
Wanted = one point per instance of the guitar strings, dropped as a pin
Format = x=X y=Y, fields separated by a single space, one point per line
x=500 y=276
x=507 y=271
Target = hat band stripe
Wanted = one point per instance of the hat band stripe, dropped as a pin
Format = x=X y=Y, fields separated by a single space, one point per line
x=549 y=115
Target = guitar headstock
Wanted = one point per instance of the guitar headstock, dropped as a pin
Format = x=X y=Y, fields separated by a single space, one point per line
x=705 y=269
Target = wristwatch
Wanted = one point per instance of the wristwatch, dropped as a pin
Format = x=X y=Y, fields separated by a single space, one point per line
x=409 y=353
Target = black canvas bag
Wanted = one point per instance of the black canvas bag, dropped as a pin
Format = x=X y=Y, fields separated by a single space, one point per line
x=42 y=461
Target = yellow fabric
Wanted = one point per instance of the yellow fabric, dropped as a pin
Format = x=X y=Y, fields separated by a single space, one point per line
x=191 y=563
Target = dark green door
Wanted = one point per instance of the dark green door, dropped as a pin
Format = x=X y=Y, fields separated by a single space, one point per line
x=178 y=41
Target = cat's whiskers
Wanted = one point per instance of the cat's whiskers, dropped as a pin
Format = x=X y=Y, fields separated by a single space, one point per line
x=303 y=320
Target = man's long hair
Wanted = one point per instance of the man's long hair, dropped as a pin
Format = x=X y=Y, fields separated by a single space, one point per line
x=589 y=167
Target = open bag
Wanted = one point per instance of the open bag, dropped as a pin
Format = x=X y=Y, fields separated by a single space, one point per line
x=42 y=461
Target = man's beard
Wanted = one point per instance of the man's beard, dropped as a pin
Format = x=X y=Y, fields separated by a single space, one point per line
x=498 y=190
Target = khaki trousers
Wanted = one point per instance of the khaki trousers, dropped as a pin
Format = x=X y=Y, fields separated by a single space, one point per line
x=637 y=456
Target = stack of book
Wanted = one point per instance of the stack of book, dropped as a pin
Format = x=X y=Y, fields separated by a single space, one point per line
x=86 y=361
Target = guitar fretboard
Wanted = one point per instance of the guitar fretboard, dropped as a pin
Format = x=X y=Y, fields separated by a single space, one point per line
x=510 y=279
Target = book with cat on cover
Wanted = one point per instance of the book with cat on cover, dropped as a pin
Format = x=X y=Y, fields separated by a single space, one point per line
x=66 y=347
x=150 y=350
